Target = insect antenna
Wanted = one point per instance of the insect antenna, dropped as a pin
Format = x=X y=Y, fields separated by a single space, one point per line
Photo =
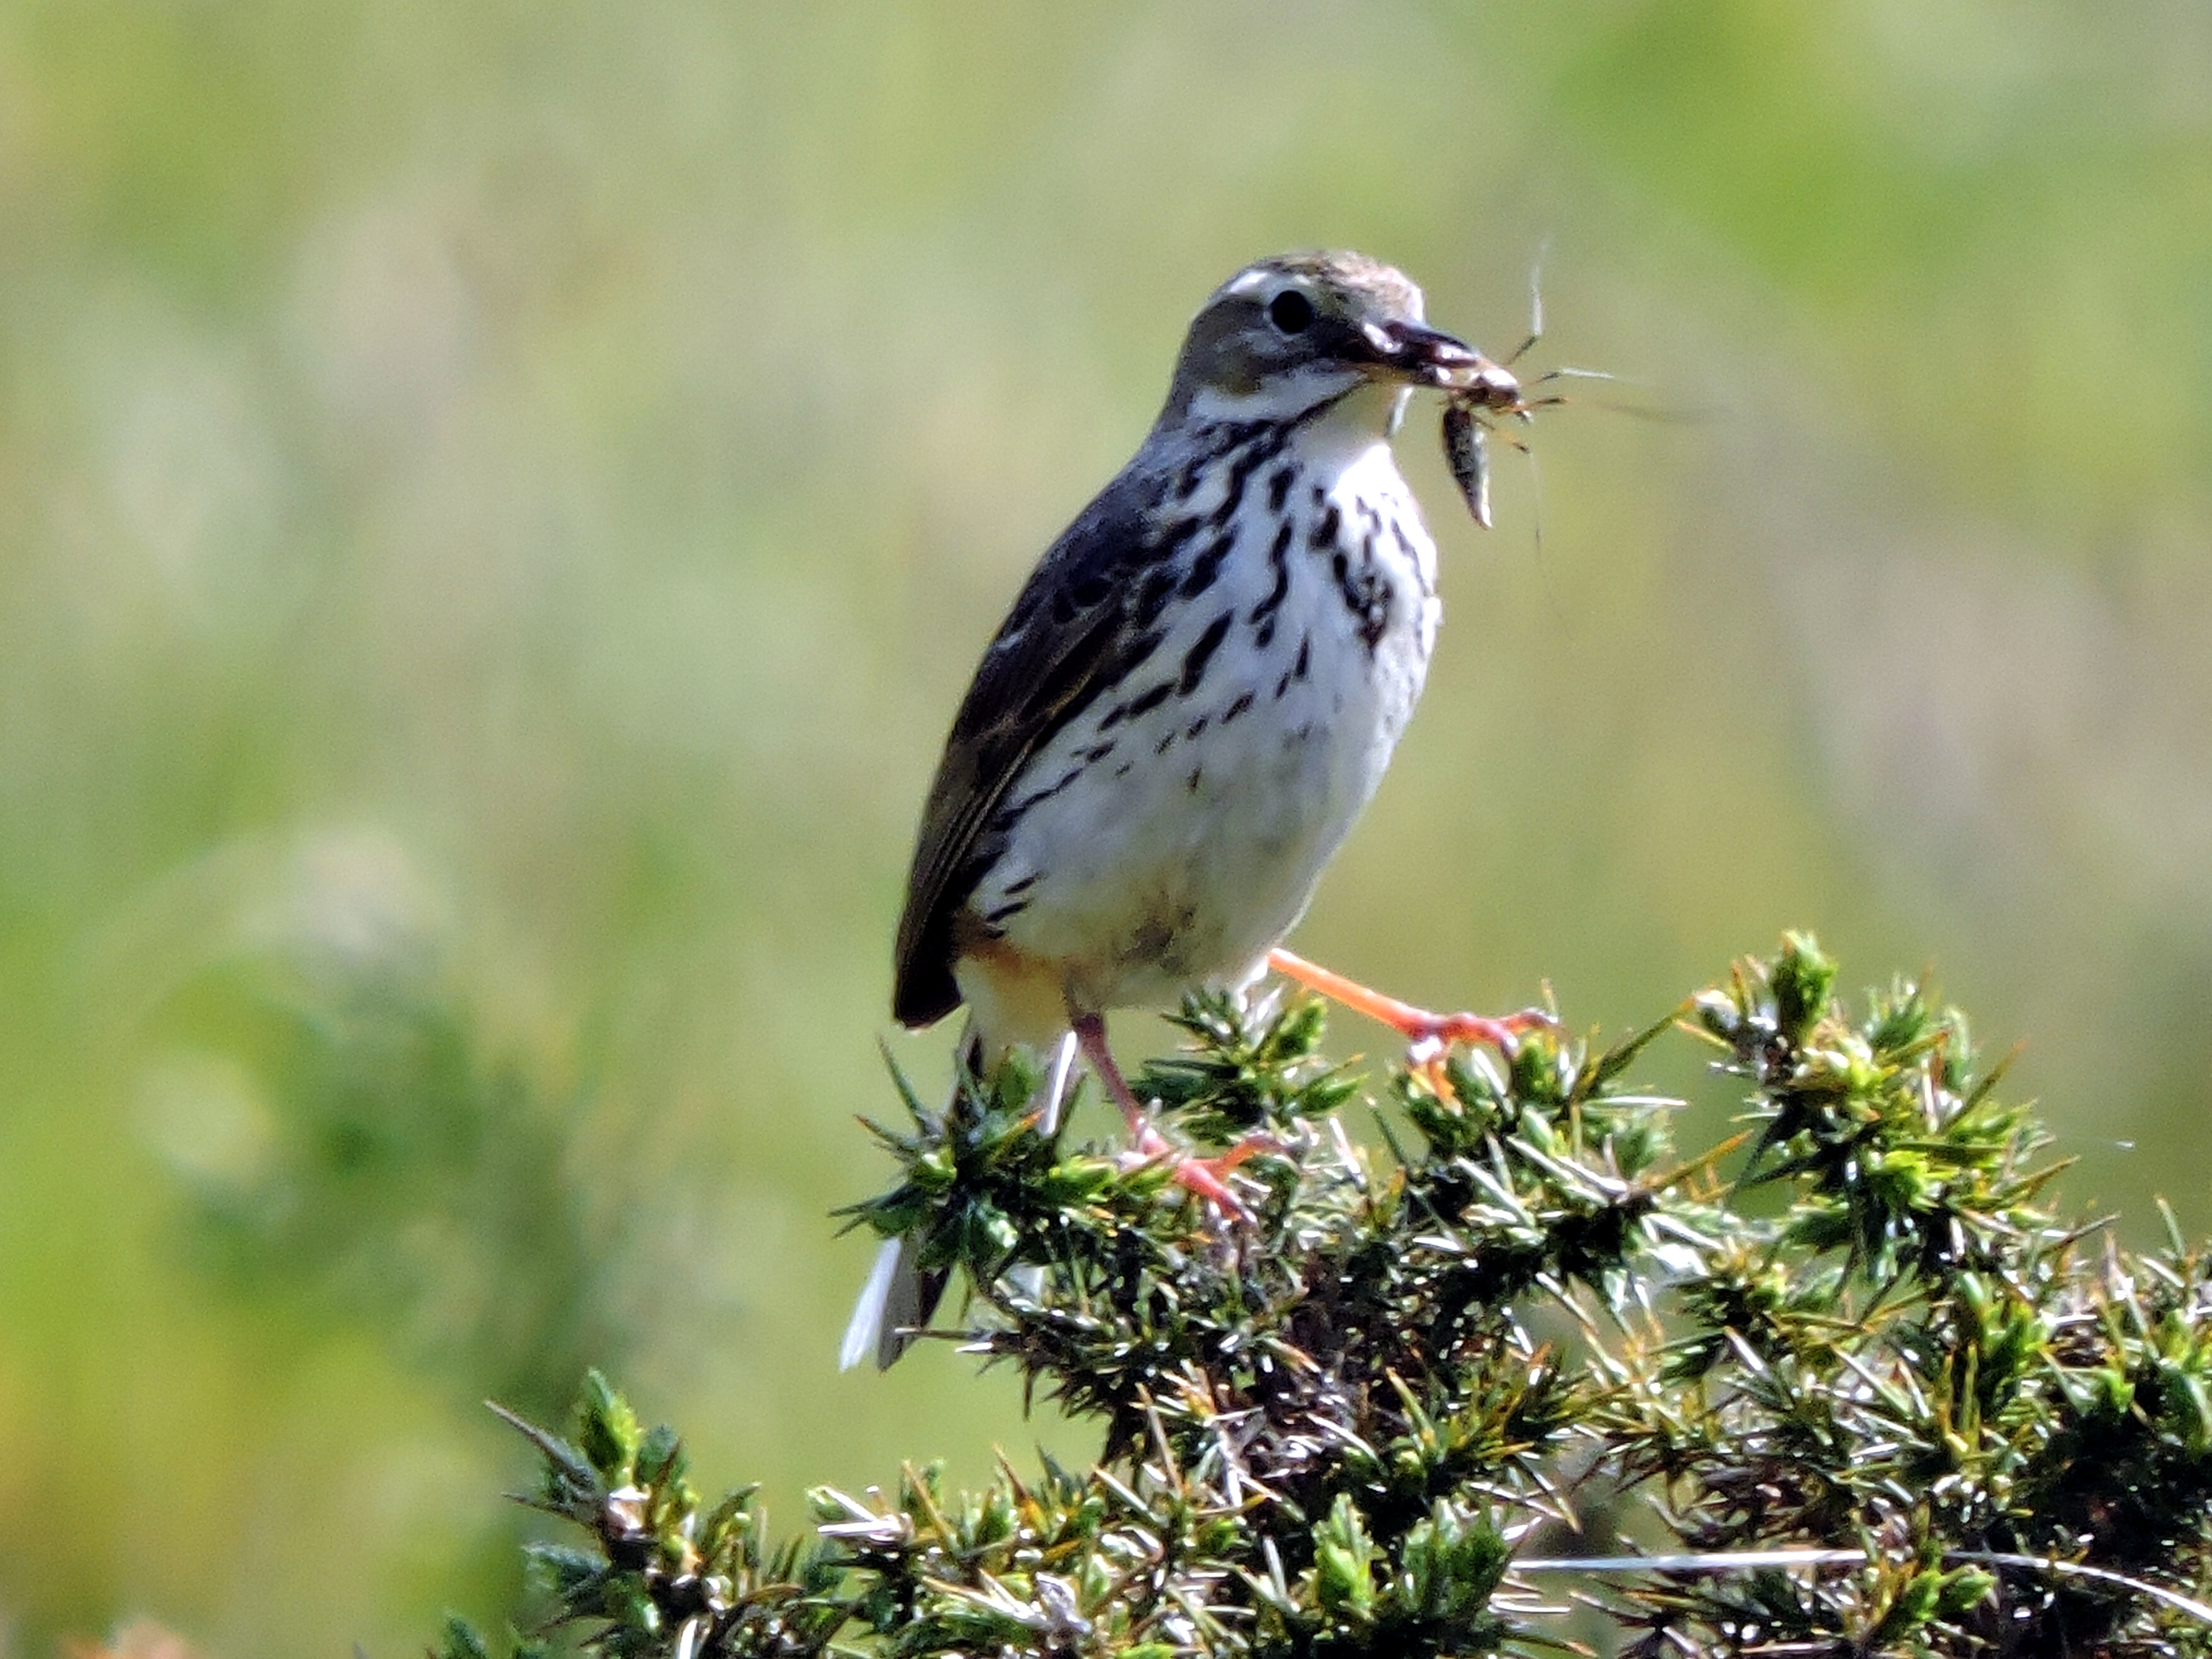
x=1690 y=417
x=1569 y=372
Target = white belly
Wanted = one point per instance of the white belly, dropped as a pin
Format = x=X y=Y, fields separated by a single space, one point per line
x=1181 y=855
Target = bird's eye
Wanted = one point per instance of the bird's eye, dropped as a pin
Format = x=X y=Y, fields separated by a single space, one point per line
x=1291 y=312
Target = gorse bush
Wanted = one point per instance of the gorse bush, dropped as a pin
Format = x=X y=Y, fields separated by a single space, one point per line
x=1844 y=1384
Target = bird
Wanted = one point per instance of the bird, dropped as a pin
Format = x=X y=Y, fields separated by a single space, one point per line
x=1193 y=696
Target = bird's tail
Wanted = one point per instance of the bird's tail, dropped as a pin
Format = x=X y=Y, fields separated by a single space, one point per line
x=894 y=1304
x=900 y=1295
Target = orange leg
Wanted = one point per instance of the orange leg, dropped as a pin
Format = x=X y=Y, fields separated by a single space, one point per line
x=1429 y=1034
x=1202 y=1175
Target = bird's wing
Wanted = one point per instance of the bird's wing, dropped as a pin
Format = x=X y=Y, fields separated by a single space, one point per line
x=1084 y=621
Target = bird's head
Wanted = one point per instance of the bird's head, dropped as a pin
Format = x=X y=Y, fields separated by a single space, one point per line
x=1290 y=333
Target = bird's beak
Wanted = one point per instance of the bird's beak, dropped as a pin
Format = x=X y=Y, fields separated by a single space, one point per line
x=1421 y=355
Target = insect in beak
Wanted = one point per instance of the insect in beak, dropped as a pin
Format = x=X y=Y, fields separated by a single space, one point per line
x=1467 y=452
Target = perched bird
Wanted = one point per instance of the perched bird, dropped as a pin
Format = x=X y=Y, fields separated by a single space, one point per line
x=1189 y=703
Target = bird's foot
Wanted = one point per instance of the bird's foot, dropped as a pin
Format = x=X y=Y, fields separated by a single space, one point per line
x=1207 y=1176
x=1428 y=1035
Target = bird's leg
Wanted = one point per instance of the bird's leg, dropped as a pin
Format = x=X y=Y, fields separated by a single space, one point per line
x=1429 y=1034
x=1202 y=1175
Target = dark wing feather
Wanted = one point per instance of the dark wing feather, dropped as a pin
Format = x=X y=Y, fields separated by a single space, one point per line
x=1075 y=631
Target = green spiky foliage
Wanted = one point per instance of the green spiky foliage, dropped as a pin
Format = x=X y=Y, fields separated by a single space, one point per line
x=1842 y=1385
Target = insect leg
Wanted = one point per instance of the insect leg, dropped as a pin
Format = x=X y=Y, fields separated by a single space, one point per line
x=1535 y=304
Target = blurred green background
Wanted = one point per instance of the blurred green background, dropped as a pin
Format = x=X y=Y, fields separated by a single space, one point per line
x=501 y=501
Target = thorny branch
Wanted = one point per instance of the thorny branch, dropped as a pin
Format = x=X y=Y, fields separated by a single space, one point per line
x=1892 y=1404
